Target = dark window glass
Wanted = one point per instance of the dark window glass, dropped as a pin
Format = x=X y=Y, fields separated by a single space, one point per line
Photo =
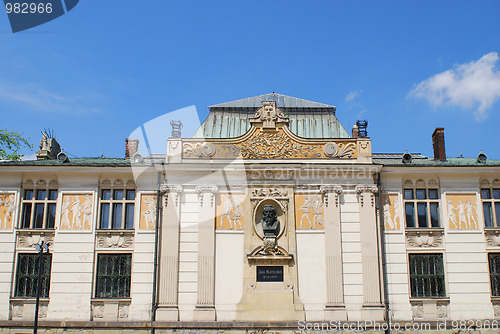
x=422 y=214
x=27 y=275
x=113 y=275
x=409 y=211
x=434 y=214
x=129 y=215
x=53 y=195
x=497 y=213
x=118 y=195
x=433 y=194
x=106 y=195
x=495 y=274
x=420 y=194
x=485 y=194
x=496 y=193
x=104 y=215
x=487 y=214
x=39 y=207
x=427 y=276
x=117 y=215
x=26 y=215
x=28 y=195
x=130 y=195
x=51 y=215
x=40 y=195
x=408 y=194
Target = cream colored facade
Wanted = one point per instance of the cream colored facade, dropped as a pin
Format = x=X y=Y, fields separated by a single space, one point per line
x=343 y=245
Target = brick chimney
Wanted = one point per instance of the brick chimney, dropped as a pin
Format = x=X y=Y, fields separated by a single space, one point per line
x=355 y=131
x=131 y=147
x=438 y=144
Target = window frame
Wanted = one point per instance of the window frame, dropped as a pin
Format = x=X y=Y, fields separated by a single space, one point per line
x=494 y=206
x=414 y=201
x=442 y=277
x=497 y=274
x=47 y=203
x=46 y=275
x=98 y=276
x=111 y=205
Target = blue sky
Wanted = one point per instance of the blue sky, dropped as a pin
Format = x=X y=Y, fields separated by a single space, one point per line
x=98 y=72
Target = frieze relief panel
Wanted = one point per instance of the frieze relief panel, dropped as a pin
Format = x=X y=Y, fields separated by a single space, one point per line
x=115 y=239
x=462 y=211
x=147 y=218
x=309 y=211
x=230 y=212
x=7 y=210
x=77 y=212
x=391 y=212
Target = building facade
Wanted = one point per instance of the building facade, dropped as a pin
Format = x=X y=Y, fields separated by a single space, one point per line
x=271 y=216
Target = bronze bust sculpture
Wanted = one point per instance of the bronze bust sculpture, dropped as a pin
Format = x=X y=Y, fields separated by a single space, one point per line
x=270 y=222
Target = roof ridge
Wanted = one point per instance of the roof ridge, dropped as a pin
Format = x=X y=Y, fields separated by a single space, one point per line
x=283 y=101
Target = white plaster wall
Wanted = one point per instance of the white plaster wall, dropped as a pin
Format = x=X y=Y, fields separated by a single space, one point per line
x=397 y=276
x=351 y=255
x=142 y=277
x=7 y=245
x=229 y=258
x=188 y=256
x=311 y=267
x=467 y=275
x=71 y=277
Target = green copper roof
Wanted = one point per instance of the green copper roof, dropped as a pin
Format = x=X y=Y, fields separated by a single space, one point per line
x=83 y=162
x=308 y=119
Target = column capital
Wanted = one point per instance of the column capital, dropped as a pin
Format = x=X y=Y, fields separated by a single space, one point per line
x=206 y=189
x=167 y=188
x=361 y=188
x=330 y=188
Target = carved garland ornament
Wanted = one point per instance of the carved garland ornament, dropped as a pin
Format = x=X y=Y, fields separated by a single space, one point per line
x=115 y=241
x=340 y=150
x=201 y=150
x=424 y=239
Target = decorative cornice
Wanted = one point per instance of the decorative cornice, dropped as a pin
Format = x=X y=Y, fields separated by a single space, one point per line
x=269 y=192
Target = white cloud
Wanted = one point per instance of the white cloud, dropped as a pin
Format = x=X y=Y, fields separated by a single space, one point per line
x=352 y=95
x=472 y=86
x=41 y=99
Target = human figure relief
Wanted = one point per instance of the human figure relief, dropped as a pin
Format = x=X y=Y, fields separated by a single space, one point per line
x=226 y=211
x=397 y=215
x=470 y=214
x=87 y=211
x=306 y=211
x=317 y=205
x=452 y=217
x=10 y=204
x=236 y=217
x=76 y=209
x=65 y=212
x=461 y=214
x=150 y=213
x=387 y=214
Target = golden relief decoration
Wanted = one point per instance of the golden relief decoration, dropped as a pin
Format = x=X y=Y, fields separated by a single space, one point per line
x=147 y=221
x=392 y=212
x=230 y=212
x=7 y=210
x=269 y=138
x=462 y=211
x=309 y=211
x=77 y=211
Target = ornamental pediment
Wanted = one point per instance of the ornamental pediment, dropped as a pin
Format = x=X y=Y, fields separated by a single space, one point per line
x=270 y=138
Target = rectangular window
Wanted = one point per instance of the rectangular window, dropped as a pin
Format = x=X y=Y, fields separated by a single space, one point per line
x=421 y=208
x=495 y=274
x=491 y=207
x=38 y=209
x=113 y=275
x=427 y=276
x=117 y=209
x=27 y=275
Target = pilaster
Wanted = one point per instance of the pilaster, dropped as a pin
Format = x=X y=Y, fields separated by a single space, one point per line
x=372 y=305
x=335 y=308
x=205 y=307
x=168 y=277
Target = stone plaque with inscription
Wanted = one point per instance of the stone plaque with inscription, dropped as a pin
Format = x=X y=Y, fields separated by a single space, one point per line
x=269 y=273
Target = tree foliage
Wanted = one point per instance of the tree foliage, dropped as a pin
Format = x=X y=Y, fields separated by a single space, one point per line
x=11 y=143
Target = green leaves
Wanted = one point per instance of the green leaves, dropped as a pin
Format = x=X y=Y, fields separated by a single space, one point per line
x=11 y=143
